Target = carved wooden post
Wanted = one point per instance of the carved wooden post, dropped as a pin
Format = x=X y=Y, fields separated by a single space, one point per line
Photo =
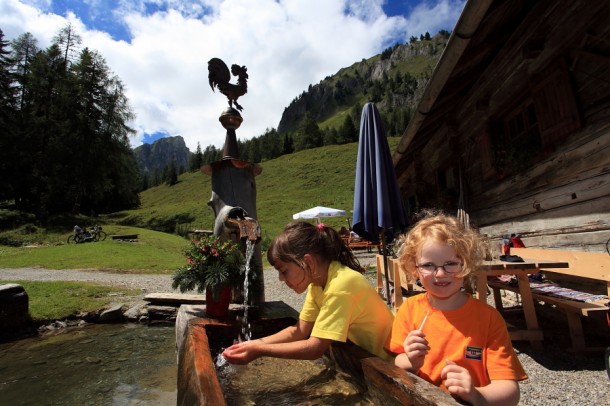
x=233 y=186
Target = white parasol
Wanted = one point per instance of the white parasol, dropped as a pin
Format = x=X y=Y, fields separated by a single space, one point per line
x=317 y=212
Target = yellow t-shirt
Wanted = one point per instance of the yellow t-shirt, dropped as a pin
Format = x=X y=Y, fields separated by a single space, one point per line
x=349 y=308
x=473 y=336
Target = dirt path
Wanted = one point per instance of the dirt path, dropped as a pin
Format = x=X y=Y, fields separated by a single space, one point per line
x=146 y=283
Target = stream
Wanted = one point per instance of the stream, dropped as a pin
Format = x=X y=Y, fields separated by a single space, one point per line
x=100 y=364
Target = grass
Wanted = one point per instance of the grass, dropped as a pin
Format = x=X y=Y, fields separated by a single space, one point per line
x=60 y=300
x=289 y=184
x=154 y=253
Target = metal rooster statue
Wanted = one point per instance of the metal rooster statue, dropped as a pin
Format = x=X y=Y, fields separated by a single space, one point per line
x=220 y=76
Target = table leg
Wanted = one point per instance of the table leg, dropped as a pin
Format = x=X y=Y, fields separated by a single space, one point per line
x=482 y=286
x=529 y=311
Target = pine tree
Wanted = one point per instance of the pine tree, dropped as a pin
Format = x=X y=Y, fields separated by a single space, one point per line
x=347 y=132
x=330 y=136
x=196 y=159
x=288 y=144
x=171 y=174
x=8 y=105
x=308 y=134
x=69 y=42
x=25 y=49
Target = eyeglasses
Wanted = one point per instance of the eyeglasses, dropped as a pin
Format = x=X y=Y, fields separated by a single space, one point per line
x=449 y=268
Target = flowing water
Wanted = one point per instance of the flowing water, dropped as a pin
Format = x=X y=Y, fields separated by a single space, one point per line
x=274 y=381
x=118 y=364
x=246 y=332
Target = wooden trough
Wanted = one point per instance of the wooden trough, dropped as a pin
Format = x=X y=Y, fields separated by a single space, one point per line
x=198 y=337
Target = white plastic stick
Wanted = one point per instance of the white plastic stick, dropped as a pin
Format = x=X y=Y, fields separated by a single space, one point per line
x=424 y=321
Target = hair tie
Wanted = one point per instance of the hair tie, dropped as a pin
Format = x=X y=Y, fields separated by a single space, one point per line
x=321 y=226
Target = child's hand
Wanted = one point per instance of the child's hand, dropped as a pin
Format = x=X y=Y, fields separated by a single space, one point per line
x=241 y=353
x=416 y=347
x=458 y=382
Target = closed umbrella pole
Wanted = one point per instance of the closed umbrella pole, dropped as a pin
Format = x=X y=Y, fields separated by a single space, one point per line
x=378 y=208
x=386 y=267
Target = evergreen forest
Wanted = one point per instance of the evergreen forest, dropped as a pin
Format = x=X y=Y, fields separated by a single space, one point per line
x=64 y=143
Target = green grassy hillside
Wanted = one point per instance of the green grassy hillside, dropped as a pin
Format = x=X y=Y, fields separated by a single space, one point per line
x=289 y=184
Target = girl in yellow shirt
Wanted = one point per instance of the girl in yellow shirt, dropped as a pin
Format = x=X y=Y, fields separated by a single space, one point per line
x=340 y=304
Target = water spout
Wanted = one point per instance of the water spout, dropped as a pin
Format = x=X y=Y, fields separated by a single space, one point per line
x=248 y=228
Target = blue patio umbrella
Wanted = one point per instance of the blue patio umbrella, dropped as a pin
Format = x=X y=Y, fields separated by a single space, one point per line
x=378 y=207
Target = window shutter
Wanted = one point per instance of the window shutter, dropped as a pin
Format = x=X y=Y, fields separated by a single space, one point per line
x=555 y=103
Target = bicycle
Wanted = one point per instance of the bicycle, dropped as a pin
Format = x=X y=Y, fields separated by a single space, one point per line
x=97 y=233
x=79 y=235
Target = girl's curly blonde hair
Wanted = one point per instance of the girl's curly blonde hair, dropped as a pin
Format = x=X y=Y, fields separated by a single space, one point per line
x=441 y=228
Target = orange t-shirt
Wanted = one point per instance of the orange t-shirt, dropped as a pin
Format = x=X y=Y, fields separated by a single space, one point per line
x=473 y=336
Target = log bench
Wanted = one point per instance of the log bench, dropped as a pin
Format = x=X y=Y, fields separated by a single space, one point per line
x=125 y=237
x=586 y=270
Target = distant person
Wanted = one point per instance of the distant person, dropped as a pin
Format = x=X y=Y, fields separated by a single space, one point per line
x=344 y=232
x=445 y=336
x=340 y=304
x=353 y=236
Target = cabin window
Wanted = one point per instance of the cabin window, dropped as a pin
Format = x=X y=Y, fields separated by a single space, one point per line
x=412 y=205
x=448 y=180
x=555 y=104
x=528 y=130
x=517 y=139
x=521 y=127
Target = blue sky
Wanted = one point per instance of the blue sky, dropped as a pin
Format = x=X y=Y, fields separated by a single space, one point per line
x=160 y=49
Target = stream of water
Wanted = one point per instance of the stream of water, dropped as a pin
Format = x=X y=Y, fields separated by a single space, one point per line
x=246 y=332
x=118 y=364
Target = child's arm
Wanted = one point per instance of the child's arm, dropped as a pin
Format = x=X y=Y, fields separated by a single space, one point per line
x=293 y=342
x=459 y=382
x=300 y=331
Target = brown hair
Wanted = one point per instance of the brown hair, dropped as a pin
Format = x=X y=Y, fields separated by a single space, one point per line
x=445 y=229
x=302 y=238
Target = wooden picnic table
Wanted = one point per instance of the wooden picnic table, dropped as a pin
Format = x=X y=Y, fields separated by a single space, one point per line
x=521 y=270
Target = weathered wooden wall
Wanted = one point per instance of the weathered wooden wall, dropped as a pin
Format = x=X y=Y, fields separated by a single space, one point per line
x=563 y=199
x=562 y=202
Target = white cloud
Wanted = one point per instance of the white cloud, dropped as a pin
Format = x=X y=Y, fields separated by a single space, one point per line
x=286 y=45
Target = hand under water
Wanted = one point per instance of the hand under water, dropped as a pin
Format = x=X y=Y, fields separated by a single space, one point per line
x=241 y=353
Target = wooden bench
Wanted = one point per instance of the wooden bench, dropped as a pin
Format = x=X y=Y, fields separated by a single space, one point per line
x=361 y=244
x=586 y=270
x=395 y=273
x=125 y=237
x=198 y=233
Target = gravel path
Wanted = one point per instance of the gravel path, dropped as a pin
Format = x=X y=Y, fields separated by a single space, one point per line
x=556 y=377
x=274 y=289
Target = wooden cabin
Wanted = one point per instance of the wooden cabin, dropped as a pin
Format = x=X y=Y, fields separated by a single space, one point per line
x=514 y=124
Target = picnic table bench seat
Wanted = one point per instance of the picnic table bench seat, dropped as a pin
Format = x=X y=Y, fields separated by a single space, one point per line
x=353 y=244
x=574 y=303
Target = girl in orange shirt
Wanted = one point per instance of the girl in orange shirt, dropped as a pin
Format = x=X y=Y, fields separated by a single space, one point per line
x=444 y=335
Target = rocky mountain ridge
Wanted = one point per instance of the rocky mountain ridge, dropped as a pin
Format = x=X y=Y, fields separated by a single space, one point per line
x=160 y=154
